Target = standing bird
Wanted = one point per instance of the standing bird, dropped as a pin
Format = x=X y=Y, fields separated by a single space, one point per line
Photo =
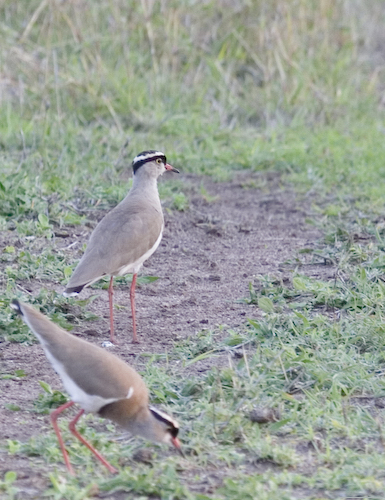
x=126 y=236
x=99 y=382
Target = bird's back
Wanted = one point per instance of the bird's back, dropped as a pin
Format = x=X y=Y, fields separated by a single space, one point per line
x=120 y=239
x=95 y=370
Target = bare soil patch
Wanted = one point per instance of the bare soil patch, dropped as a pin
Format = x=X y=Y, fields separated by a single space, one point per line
x=232 y=232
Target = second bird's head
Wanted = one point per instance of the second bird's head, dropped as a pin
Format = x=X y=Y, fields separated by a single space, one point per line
x=154 y=162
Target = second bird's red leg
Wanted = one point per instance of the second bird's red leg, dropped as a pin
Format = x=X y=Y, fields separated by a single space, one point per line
x=54 y=417
x=132 y=298
x=72 y=428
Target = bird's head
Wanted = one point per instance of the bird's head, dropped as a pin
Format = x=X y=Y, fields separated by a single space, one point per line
x=153 y=162
x=165 y=429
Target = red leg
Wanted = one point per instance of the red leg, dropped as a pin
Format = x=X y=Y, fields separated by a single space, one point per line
x=132 y=297
x=72 y=428
x=111 y=301
x=54 y=417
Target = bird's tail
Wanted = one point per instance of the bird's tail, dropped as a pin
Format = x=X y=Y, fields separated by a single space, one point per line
x=15 y=304
x=71 y=292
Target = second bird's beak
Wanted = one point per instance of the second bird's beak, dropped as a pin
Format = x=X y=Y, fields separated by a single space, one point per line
x=170 y=167
x=175 y=441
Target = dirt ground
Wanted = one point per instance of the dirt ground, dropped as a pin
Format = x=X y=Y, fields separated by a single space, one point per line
x=209 y=254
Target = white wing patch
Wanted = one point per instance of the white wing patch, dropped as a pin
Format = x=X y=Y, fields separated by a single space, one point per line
x=130 y=393
x=163 y=416
x=148 y=155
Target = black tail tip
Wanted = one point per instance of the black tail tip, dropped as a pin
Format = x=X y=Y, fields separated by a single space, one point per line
x=15 y=304
x=70 y=292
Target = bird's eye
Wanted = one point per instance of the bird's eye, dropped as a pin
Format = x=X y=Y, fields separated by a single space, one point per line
x=173 y=431
x=159 y=161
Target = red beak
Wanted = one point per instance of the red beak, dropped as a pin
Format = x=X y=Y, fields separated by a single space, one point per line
x=170 y=167
x=175 y=441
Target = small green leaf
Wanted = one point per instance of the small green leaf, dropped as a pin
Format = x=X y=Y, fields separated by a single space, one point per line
x=253 y=323
x=142 y=280
x=298 y=305
x=266 y=304
x=55 y=482
x=277 y=425
x=180 y=202
x=13 y=446
x=332 y=210
x=87 y=301
x=191 y=388
x=67 y=271
x=304 y=319
x=306 y=250
x=200 y=357
x=299 y=283
x=9 y=249
x=44 y=221
x=12 y=407
x=234 y=340
x=10 y=477
x=46 y=387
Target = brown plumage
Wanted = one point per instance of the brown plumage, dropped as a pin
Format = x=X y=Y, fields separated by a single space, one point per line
x=99 y=382
x=126 y=236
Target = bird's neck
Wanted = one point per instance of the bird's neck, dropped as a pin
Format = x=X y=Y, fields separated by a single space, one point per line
x=145 y=184
x=144 y=425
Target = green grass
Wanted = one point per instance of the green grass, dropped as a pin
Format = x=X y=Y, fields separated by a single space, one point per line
x=290 y=87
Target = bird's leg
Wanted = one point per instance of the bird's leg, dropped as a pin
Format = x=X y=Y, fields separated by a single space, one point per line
x=132 y=297
x=111 y=301
x=72 y=428
x=54 y=417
